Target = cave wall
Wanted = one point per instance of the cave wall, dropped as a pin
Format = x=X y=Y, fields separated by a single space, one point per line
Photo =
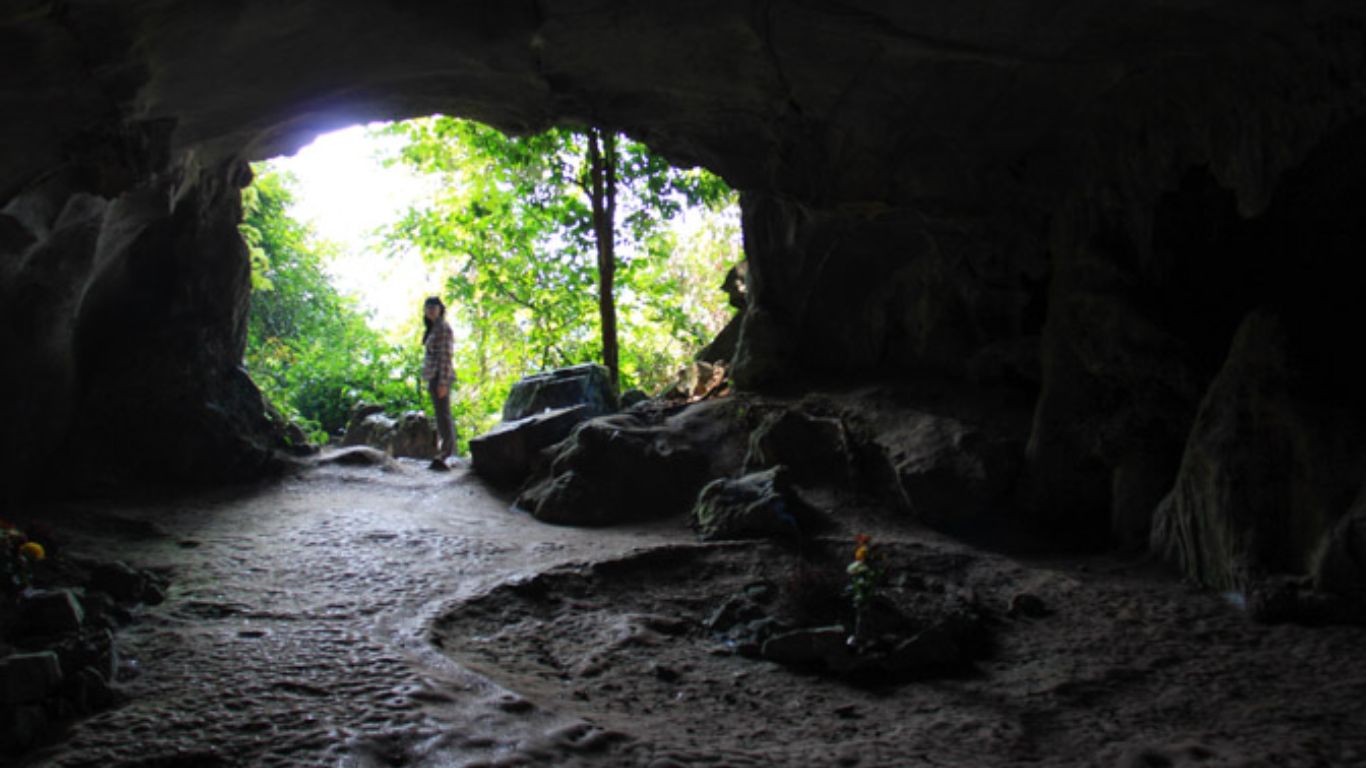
x=1056 y=195
x=126 y=290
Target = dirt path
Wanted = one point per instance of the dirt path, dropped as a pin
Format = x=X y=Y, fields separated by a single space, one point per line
x=300 y=623
x=293 y=633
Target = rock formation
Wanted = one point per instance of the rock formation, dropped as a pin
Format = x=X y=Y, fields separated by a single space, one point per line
x=412 y=435
x=540 y=410
x=1078 y=200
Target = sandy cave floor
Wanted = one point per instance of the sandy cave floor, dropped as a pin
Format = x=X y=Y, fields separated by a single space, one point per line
x=363 y=617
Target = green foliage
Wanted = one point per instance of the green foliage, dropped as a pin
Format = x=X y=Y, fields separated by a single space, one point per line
x=309 y=348
x=513 y=228
x=512 y=234
x=672 y=304
x=864 y=581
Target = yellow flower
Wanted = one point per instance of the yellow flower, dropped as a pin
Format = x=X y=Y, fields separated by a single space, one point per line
x=33 y=551
x=861 y=553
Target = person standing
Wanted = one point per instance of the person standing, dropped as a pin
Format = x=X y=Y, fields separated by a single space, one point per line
x=438 y=342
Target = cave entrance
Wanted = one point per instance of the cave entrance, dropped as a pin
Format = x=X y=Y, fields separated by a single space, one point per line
x=350 y=234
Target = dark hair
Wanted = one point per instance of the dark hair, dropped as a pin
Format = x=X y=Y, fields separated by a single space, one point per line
x=426 y=321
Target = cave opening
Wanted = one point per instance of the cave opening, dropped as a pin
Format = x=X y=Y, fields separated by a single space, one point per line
x=907 y=170
x=348 y=235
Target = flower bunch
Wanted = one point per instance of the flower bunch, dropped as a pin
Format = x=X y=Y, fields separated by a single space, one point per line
x=863 y=576
x=17 y=555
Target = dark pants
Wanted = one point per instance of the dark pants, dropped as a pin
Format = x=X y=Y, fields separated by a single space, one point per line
x=445 y=430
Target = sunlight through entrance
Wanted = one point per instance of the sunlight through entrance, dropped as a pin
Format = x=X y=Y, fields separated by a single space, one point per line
x=535 y=245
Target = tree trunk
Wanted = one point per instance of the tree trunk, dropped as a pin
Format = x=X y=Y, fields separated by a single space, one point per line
x=482 y=323
x=602 y=164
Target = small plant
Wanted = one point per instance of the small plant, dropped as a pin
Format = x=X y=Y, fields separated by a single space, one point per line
x=863 y=584
x=17 y=555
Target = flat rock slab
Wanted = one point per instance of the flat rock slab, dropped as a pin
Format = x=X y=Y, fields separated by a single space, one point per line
x=758 y=505
x=50 y=612
x=505 y=455
x=587 y=385
x=28 y=678
x=358 y=456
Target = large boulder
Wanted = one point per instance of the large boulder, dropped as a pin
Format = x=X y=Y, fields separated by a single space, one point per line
x=947 y=472
x=1270 y=472
x=540 y=411
x=29 y=678
x=930 y=449
x=29 y=686
x=588 y=385
x=759 y=505
x=50 y=612
x=124 y=583
x=414 y=436
x=814 y=448
x=411 y=435
x=506 y=454
x=638 y=465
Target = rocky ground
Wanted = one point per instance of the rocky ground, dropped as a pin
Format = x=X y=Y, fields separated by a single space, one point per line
x=363 y=616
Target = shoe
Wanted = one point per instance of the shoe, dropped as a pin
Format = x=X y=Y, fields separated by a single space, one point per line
x=439 y=464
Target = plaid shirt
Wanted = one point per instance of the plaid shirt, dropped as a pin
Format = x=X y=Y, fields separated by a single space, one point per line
x=436 y=363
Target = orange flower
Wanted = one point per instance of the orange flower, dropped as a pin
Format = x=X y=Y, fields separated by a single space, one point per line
x=33 y=551
x=861 y=553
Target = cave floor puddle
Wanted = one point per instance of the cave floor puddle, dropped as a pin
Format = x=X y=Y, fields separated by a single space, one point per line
x=298 y=631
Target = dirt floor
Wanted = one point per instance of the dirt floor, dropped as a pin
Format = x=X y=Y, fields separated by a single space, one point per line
x=372 y=617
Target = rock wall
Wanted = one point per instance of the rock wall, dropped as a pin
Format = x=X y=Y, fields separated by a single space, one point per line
x=1266 y=441
x=1081 y=201
x=125 y=289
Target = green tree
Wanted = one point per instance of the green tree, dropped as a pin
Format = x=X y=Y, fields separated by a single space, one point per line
x=683 y=307
x=309 y=348
x=601 y=171
x=532 y=223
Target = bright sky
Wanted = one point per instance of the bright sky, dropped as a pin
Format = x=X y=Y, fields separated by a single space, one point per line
x=345 y=193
